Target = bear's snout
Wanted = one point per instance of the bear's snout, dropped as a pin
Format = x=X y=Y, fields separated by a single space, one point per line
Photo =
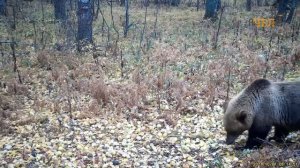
x=230 y=139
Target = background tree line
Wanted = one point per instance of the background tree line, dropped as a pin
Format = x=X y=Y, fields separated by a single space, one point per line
x=76 y=17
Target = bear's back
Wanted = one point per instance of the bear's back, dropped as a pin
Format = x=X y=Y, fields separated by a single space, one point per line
x=291 y=105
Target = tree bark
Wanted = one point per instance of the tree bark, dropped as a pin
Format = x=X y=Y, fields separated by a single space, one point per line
x=293 y=6
x=85 y=19
x=2 y=7
x=248 y=5
x=126 y=26
x=211 y=9
x=258 y=2
x=60 y=9
x=175 y=2
x=122 y=2
x=285 y=10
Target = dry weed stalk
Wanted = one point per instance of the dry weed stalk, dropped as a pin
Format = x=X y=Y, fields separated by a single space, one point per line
x=14 y=87
x=43 y=59
x=100 y=91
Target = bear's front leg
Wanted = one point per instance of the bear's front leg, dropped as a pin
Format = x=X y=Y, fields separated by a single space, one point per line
x=280 y=134
x=257 y=134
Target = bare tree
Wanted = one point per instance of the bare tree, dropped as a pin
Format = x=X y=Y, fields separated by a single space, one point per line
x=248 y=5
x=198 y=5
x=85 y=19
x=2 y=7
x=285 y=10
x=211 y=9
x=60 y=9
x=126 y=26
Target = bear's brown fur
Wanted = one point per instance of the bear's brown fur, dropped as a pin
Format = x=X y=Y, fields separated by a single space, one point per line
x=260 y=106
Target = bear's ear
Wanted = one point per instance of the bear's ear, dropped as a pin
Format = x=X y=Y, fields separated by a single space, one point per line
x=241 y=116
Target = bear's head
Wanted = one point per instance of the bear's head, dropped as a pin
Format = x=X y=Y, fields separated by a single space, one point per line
x=238 y=117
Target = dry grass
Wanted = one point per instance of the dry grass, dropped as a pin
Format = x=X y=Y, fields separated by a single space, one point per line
x=173 y=74
x=273 y=157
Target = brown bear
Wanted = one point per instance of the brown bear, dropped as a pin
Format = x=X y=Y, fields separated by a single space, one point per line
x=260 y=106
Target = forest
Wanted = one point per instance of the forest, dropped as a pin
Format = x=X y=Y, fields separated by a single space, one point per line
x=139 y=83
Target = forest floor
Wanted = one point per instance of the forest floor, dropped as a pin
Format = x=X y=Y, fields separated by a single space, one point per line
x=159 y=105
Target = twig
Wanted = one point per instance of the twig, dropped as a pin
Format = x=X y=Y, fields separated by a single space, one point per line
x=108 y=30
x=12 y=46
x=114 y=27
x=228 y=83
x=144 y=29
x=126 y=18
x=8 y=42
x=198 y=4
x=216 y=42
x=268 y=57
x=265 y=141
x=122 y=65
x=35 y=35
x=155 y=23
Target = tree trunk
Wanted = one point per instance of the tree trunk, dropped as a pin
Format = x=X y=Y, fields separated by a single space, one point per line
x=248 y=5
x=258 y=2
x=175 y=2
x=285 y=10
x=2 y=7
x=211 y=8
x=60 y=9
x=146 y=3
x=85 y=19
x=293 y=6
x=281 y=11
x=126 y=26
x=122 y=2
